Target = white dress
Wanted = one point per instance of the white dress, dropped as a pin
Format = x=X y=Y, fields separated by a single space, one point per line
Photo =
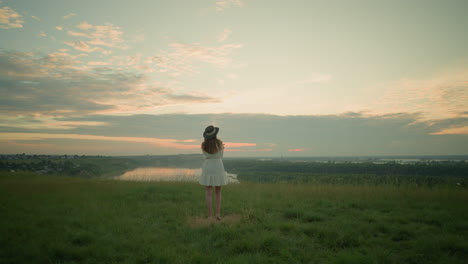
x=213 y=173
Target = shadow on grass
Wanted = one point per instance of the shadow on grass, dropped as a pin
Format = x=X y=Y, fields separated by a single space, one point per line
x=198 y=222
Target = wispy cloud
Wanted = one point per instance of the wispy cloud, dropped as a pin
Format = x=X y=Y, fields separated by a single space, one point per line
x=187 y=98
x=9 y=18
x=222 y=5
x=348 y=134
x=62 y=84
x=69 y=15
x=453 y=131
x=239 y=145
x=36 y=18
x=59 y=28
x=224 y=35
x=97 y=38
x=182 y=57
x=181 y=144
x=98 y=63
x=82 y=46
x=296 y=150
x=38 y=121
x=159 y=142
x=443 y=95
x=248 y=150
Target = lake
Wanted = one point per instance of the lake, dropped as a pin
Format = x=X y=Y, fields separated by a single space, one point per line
x=167 y=174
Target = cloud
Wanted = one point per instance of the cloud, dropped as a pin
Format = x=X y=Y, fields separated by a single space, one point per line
x=42 y=34
x=73 y=124
x=248 y=150
x=69 y=15
x=27 y=66
x=320 y=135
x=59 y=28
x=99 y=63
x=443 y=95
x=453 y=131
x=296 y=150
x=186 y=98
x=82 y=46
x=222 y=5
x=239 y=145
x=36 y=18
x=182 y=57
x=165 y=143
x=9 y=18
x=84 y=26
x=159 y=142
x=106 y=35
x=61 y=84
x=224 y=35
x=99 y=38
x=77 y=34
x=38 y=121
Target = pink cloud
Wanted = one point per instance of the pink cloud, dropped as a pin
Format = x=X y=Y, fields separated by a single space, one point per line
x=442 y=95
x=49 y=76
x=9 y=18
x=453 y=131
x=98 y=63
x=160 y=142
x=73 y=124
x=82 y=46
x=245 y=150
x=239 y=145
x=296 y=150
x=97 y=36
x=69 y=15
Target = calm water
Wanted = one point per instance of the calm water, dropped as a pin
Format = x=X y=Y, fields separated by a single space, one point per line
x=167 y=174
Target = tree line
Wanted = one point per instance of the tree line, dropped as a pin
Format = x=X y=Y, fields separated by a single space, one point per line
x=428 y=174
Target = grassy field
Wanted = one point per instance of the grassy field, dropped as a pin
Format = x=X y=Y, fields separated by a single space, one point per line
x=46 y=219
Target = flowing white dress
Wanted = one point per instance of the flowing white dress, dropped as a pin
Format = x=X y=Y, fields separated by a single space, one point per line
x=213 y=173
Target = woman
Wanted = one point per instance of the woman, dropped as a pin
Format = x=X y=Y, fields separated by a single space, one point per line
x=213 y=173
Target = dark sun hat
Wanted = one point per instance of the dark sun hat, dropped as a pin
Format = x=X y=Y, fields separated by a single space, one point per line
x=210 y=132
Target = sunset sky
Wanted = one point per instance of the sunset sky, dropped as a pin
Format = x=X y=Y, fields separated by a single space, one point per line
x=292 y=78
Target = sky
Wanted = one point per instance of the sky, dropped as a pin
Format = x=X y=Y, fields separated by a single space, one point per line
x=280 y=78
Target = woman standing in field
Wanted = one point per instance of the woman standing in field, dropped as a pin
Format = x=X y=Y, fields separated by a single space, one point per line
x=213 y=173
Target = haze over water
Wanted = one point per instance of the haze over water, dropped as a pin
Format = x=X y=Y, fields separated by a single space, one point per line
x=167 y=174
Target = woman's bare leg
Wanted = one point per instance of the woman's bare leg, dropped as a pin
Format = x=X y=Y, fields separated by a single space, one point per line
x=218 y=201
x=208 y=199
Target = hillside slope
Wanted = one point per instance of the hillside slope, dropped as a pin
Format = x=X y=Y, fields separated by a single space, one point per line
x=74 y=220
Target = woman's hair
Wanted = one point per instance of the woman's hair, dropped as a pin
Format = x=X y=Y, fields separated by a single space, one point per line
x=212 y=145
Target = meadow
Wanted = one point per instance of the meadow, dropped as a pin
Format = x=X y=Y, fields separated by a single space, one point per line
x=62 y=219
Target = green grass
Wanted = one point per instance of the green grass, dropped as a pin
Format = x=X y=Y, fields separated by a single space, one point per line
x=47 y=219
